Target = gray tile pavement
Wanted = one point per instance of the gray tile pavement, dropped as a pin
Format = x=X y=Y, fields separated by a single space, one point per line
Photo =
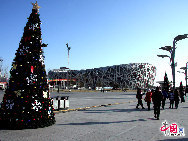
x=111 y=123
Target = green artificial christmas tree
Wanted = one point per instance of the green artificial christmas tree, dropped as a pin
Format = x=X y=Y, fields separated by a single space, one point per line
x=166 y=83
x=26 y=102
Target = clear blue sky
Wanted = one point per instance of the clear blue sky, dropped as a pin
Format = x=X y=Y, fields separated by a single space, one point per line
x=100 y=32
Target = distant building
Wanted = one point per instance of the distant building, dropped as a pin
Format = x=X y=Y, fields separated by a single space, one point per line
x=3 y=82
x=3 y=78
x=130 y=76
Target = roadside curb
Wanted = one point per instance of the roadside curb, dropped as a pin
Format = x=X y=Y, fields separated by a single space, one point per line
x=85 y=108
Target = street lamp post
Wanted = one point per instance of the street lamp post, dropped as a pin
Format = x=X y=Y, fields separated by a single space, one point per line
x=57 y=71
x=68 y=48
x=173 y=65
x=172 y=52
x=186 y=89
x=186 y=78
x=184 y=74
x=185 y=68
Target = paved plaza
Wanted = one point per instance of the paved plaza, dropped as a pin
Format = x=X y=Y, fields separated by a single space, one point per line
x=114 y=118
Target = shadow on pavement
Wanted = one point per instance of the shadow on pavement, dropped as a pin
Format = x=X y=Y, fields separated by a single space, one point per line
x=113 y=98
x=129 y=94
x=152 y=118
x=180 y=139
x=93 y=123
x=115 y=110
x=3 y=128
x=184 y=107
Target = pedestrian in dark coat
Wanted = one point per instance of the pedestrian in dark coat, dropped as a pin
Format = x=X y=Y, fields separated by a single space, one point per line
x=171 y=98
x=157 y=98
x=58 y=89
x=165 y=96
x=139 y=97
x=148 y=98
x=176 y=98
x=152 y=91
x=181 y=91
x=182 y=96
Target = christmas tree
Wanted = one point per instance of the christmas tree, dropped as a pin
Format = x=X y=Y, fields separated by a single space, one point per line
x=26 y=102
x=166 y=83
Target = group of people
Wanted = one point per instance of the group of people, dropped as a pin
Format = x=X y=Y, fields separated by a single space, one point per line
x=159 y=98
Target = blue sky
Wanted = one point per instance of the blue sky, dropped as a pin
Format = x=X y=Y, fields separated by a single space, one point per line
x=100 y=32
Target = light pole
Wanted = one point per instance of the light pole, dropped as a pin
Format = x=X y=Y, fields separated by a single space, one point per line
x=68 y=48
x=182 y=72
x=172 y=52
x=186 y=89
x=1 y=60
x=185 y=68
x=163 y=56
x=58 y=71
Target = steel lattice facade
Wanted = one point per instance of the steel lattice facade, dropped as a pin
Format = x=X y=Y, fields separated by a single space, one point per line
x=122 y=76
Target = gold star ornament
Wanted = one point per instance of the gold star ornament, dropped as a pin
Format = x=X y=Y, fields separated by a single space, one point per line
x=35 y=6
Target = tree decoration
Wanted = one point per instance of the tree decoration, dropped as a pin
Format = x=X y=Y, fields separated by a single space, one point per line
x=45 y=94
x=26 y=102
x=9 y=104
x=35 y=6
x=32 y=68
x=37 y=105
x=18 y=93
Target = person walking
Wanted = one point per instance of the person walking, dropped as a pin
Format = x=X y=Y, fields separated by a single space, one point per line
x=58 y=89
x=148 y=98
x=157 y=98
x=152 y=91
x=139 y=97
x=182 y=96
x=181 y=91
x=171 y=98
x=176 y=98
x=165 y=96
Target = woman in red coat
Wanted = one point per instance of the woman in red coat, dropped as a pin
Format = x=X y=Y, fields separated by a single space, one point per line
x=148 y=98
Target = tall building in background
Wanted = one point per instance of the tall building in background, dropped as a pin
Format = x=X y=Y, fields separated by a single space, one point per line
x=130 y=76
x=3 y=76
